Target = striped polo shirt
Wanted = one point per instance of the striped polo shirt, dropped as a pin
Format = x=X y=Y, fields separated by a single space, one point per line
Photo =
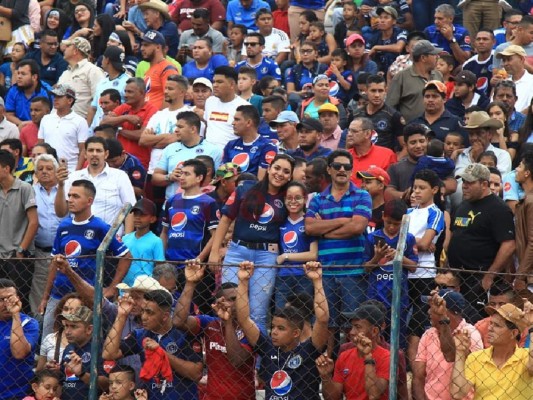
x=341 y=251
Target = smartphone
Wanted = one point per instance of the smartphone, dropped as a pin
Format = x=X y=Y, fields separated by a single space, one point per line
x=380 y=241
x=63 y=162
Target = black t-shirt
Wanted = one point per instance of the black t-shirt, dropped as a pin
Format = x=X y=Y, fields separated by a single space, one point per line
x=478 y=229
x=289 y=375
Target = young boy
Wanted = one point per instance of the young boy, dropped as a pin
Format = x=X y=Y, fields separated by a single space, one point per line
x=380 y=252
x=287 y=364
x=452 y=142
x=236 y=37
x=325 y=42
x=445 y=65
x=272 y=106
x=245 y=83
x=143 y=243
x=122 y=385
x=345 y=78
x=349 y=23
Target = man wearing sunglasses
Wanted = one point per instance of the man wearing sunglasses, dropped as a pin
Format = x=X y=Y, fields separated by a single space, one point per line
x=254 y=44
x=339 y=217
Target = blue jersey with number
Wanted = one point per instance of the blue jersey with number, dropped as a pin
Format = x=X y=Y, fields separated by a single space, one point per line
x=250 y=156
x=81 y=239
x=293 y=239
x=250 y=227
x=188 y=220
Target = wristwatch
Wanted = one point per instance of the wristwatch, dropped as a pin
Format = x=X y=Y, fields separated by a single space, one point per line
x=24 y=252
x=454 y=40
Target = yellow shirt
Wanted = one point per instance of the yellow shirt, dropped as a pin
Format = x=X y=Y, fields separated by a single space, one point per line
x=512 y=381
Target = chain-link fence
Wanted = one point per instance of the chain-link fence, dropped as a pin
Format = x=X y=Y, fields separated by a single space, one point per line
x=184 y=336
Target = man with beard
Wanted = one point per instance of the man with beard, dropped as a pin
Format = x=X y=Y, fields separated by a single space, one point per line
x=435 y=115
x=131 y=118
x=465 y=95
x=49 y=59
x=481 y=63
x=254 y=45
x=309 y=148
x=153 y=50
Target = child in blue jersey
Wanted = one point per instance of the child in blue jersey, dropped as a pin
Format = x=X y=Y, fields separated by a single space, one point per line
x=380 y=251
x=296 y=247
x=344 y=77
x=143 y=243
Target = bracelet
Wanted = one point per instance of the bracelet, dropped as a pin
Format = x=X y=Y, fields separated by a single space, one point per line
x=370 y=361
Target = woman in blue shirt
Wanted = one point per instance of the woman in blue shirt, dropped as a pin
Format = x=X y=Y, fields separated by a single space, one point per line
x=204 y=61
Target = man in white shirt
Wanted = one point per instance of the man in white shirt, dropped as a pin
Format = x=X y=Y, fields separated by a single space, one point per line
x=8 y=130
x=83 y=75
x=277 y=42
x=220 y=108
x=514 y=60
x=65 y=130
x=113 y=187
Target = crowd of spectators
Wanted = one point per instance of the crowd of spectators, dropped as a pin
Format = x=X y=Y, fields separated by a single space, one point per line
x=271 y=150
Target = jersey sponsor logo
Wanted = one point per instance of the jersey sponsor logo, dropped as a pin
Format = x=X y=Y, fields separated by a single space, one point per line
x=136 y=174
x=281 y=383
x=72 y=250
x=69 y=375
x=108 y=366
x=217 y=346
x=231 y=199
x=197 y=347
x=267 y=214
x=217 y=213
x=290 y=239
x=269 y=156
x=507 y=186
x=242 y=160
x=467 y=39
x=219 y=116
x=482 y=83
x=333 y=88
x=178 y=221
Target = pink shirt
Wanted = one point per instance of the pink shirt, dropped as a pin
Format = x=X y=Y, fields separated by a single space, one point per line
x=332 y=141
x=28 y=136
x=438 y=370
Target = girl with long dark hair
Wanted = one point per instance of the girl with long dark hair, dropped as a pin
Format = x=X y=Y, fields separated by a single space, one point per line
x=258 y=212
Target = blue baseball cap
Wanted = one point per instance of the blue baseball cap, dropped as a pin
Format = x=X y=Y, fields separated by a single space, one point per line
x=455 y=302
x=285 y=116
x=154 y=37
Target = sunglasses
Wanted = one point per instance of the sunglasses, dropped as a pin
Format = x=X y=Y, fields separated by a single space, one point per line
x=337 y=166
x=251 y=44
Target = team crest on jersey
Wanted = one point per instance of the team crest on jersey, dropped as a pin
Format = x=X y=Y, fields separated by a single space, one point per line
x=253 y=150
x=195 y=210
x=278 y=203
x=264 y=70
x=88 y=234
x=199 y=150
x=86 y=357
x=382 y=124
x=295 y=362
x=171 y=347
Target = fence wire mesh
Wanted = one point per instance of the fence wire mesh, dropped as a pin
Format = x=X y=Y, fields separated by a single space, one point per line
x=199 y=330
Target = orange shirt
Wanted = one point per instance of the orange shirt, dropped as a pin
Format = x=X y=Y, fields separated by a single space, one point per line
x=155 y=80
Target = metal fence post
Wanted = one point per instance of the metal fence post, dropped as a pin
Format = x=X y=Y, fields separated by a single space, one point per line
x=395 y=309
x=98 y=294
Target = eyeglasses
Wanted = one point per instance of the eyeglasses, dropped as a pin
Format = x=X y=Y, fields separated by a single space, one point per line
x=450 y=287
x=356 y=131
x=80 y=11
x=297 y=199
x=53 y=44
x=337 y=166
x=251 y=44
x=306 y=51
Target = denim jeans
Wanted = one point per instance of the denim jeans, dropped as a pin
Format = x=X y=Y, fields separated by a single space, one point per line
x=261 y=283
x=344 y=294
x=287 y=285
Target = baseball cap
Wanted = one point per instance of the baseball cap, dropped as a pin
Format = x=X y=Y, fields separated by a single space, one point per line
x=82 y=44
x=64 y=89
x=375 y=172
x=310 y=123
x=284 y=116
x=146 y=206
x=154 y=37
x=511 y=313
x=425 y=47
x=354 y=37
x=115 y=38
x=203 y=81
x=328 y=107
x=367 y=312
x=455 y=302
x=225 y=171
x=436 y=85
x=467 y=77
x=389 y=10
x=142 y=283
x=511 y=51
x=80 y=314
x=475 y=172
x=116 y=56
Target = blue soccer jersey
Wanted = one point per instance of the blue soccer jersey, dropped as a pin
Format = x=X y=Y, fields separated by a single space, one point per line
x=293 y=239
x=266 y=67
x=75 y=239
x=250 y=156
x=188 y=220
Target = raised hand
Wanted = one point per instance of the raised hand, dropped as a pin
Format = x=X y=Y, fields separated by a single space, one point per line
x=462 y=343
x=61 y=263
x=74 y=364
x=13 y=304
x=325 y=366
x=313 y=270
x=246 y=270
x=364 y=344
x=437 y=304
x=194 y=272
x=140 y=394
x=150 y=344
x=222 y=308
x=125 y=304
